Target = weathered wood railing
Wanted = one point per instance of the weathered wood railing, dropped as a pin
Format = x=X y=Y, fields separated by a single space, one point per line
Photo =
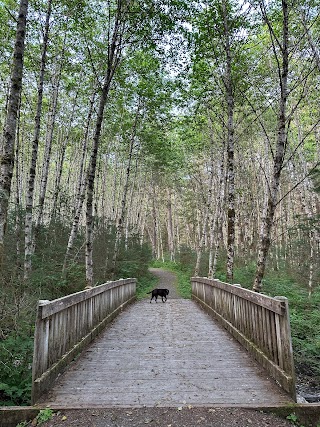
x=260 y=323
x=66 y=325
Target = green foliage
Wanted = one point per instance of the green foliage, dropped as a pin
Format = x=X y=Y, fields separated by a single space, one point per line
x=293 y=418
x=15 y=373
x=145 y=284
x=44 y=415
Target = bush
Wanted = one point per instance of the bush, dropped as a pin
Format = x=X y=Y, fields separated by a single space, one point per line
x=16 y=369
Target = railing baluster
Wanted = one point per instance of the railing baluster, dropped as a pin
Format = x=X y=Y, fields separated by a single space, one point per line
x=66 y=325
x=259 y=322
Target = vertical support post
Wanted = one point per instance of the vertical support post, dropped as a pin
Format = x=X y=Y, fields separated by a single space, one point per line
x=41 y=348
x=287 y=353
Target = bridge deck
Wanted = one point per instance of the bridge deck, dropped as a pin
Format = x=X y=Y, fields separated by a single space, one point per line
x=170 y=354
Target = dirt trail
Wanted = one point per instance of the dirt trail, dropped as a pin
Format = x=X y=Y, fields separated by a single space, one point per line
x=166 y=417
x=167 y=280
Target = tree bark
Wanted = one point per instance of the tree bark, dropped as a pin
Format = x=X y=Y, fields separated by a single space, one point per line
x=57 y=186
x=216 y=221
x=28 y=232
x=230 y=148
x=114 y=55
x=122 y=218
x=206 y=216
x=81 y=190
x=171 y=240
x=265 y=235
x=48 y=148
x=9 y=134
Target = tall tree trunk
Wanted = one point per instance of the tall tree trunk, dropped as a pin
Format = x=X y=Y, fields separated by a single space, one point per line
x=216 y=221
x=28 y=238
x=206 y=216
x=135 y=190
x=48 y=147
x=57 y=186
x=9 y=134
x=154 y=235
x=114 y=55
x=81 y=190
x=171 y=242
x=121 y=220
x=230 y=148
x=18 y=203
x=265 y=235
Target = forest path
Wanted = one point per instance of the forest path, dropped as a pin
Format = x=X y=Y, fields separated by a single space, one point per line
x=167 y=280
x=164 y=355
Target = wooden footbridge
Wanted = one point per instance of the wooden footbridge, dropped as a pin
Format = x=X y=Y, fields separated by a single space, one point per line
x=226 y=346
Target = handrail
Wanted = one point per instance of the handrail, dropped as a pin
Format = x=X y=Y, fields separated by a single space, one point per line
x=65 y=326
x=260 y=323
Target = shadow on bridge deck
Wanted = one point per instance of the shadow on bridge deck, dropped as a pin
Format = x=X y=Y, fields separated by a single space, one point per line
x=164 y=354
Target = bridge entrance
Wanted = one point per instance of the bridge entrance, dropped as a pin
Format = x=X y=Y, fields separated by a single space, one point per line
x=164 y=354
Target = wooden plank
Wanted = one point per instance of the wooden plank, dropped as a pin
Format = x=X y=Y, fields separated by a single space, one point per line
x=43 y=383
x=254 y=297
x=62 y=303
x=286 y=380
x=164 y=355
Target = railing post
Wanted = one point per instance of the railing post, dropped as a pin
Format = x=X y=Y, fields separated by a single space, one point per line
x=41 y=347
x=65 y=326
x=286 y=344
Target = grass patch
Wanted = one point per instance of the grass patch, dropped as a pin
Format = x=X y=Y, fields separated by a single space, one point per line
x=145 y=284
x=183 y=274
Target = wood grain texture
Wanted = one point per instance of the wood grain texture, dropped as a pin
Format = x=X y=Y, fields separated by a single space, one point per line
x=164 y=354
x=64 y=327
x=260 y=323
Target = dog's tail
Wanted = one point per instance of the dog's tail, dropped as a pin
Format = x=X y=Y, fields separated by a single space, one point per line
x=149 y=292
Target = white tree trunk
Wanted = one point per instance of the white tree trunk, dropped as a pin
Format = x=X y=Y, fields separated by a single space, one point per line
x=9 y=134
x=265 y=235
x=28 y=233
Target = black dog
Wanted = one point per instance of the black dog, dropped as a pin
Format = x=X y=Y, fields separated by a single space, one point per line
x=159 y=292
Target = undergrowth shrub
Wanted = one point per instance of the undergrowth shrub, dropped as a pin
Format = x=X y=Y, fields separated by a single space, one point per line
x=19 y=297
x=15 y=381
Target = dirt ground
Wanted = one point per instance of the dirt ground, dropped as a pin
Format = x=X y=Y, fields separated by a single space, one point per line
x=166 y=417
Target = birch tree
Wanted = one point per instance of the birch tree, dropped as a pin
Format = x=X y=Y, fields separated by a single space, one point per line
x=222 y=33
x=34 y=156
x=283 y=49
x=116 y=34
x=9 y=133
